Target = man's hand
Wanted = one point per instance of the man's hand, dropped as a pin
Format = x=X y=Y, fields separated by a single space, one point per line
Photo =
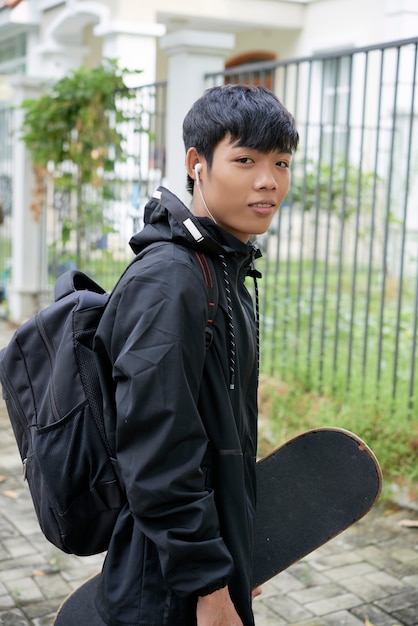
x=257 y=591
x=217 y=609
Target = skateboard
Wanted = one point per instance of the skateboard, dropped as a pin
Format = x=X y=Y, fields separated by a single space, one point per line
x=309 y=490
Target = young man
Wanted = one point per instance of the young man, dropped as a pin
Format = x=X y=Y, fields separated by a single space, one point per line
x=182 y=411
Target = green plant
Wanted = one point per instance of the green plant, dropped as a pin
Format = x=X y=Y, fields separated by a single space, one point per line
x=73 y=133
x=338 y=187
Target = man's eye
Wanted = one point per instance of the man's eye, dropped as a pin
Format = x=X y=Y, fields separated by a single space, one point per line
x=244 y=160
x=282 y=163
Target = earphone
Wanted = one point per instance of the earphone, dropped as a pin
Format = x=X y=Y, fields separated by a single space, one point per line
x=197 y=170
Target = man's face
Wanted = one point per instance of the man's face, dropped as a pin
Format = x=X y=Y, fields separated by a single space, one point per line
x=243 y=189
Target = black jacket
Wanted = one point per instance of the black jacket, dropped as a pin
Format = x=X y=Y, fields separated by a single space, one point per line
x=184 y=434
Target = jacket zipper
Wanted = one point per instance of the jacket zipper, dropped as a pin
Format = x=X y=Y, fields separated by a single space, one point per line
x=250 y=361
x=249 y=327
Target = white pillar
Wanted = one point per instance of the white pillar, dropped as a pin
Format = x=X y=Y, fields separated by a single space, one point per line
x=29 y=255
x=133 y=45
x=192 y=54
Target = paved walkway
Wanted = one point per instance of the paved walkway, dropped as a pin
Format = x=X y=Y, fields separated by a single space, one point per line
x=366 y=576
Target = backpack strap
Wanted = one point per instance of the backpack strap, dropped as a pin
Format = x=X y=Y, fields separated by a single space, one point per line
x=209 y=276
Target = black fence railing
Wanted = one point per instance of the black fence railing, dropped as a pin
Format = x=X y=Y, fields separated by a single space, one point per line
x=340 y=290
x=340 y=303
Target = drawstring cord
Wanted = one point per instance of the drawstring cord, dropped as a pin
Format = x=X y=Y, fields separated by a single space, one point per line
x=232 y=345
x=255 y=274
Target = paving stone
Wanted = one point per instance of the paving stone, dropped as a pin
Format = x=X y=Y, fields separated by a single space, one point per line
x=350 y=571
x=46 y=620
x=41 y=610
x=290 y=610
x=405 y=555
x=402 y=570
x=25 y=525
x=399 y=601
x=385 y=580
x=7 y=602
x=13 y=618
x=311 y=594
x=75 y=577
x=364 y=589
x=331 y=605
x=336 y=559
x=53 y=586
x=7 y=530
x=343 y=618
x=411 y=581
x=376 y=555
x=25 y=590
x=307 y=575
x=408 y=616
x=375 y=616
x=283 y=583
x=37 y=560
x=265 y=616
x=19 y=546
x=9 y=574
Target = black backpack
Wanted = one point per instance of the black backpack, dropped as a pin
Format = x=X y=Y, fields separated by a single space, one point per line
x=53 y=397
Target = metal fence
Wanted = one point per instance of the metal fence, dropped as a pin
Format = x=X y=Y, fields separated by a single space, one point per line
x=340 y=292
x=340 y=303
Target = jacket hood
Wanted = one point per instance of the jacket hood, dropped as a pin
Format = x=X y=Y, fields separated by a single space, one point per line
x=166 y=218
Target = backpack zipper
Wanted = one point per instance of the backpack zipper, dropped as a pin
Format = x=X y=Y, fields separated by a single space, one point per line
x=9 y=396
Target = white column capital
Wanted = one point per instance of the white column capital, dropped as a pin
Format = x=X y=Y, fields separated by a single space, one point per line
x=197 y=42
x=118 y=27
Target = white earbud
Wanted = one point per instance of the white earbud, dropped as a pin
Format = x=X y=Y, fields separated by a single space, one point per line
x=197 y=169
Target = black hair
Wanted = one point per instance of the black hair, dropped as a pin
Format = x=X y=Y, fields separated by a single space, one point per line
x=252 y=115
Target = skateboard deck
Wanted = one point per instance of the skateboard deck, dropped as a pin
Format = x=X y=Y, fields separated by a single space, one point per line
x=309 y=490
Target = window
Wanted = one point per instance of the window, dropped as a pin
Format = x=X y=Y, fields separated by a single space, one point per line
x=256 y=76
x=13 y=55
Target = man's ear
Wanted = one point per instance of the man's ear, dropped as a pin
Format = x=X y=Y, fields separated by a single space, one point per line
x=192 y=159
